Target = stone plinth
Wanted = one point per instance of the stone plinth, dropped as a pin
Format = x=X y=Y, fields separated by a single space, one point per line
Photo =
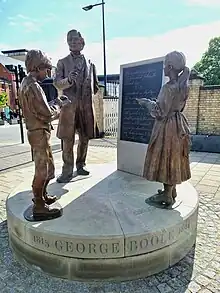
x=107 y=231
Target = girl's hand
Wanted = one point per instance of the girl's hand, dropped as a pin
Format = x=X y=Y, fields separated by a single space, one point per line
x=143 y=102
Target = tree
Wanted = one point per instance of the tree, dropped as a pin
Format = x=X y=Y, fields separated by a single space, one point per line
x=3 y=99
x=209 y=65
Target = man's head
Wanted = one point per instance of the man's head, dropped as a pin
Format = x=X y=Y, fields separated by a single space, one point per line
x=75 y=41
x=37 y=63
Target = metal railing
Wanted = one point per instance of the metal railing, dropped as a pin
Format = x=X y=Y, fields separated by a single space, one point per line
x=110 y=116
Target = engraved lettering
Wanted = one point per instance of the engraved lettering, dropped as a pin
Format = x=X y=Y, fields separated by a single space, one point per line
x=115 y=247
x=154 y=240
x=59 y=245
x=103 y=248
x=46 y=243
x=40 y=240
x=171 y=235
x=146 y=243
x=69 y=246
x=133 y=245
x=80 y=247
x=143 y=243
x=163 y=237
x=92 y=248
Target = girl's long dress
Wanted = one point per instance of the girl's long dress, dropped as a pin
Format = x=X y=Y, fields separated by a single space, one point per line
x=167 y=159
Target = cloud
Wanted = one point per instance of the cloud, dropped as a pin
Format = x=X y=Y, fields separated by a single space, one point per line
x=26 y=23
x=192 y=41
x=22 y=16
x=12 y=23
x=4 y=46
x=29 y=24
x=209 y=3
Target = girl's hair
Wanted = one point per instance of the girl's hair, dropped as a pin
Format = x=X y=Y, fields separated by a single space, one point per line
x=183 y=83
x=178 y=61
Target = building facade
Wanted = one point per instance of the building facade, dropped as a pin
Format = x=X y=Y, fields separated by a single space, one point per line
x=9 y=77
x=7 y=85
x=18 y=54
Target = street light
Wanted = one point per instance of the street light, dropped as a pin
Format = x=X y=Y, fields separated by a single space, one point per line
x=87 y=8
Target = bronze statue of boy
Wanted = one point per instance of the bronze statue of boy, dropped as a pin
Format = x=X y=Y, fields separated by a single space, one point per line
x=38 y=116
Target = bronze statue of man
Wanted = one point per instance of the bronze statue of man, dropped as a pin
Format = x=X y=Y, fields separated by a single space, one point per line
x=76 y=78
x=38 y=116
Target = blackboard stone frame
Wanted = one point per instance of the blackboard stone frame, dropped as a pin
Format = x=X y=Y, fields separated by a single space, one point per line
x=142 y=79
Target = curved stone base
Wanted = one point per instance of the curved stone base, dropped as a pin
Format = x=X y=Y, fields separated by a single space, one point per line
x=107 y=231
x=118 y=269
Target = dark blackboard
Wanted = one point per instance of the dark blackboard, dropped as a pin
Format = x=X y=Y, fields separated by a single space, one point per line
x=142 y=81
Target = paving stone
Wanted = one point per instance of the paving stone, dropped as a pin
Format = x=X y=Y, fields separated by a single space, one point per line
x=202 y=280
x=206 y=188
x=205 y=291
x=194 y=287
x=214 y=287
x=209 y=182
x=164 y=288
x=198 y=272
x=151 y=281
x=176 y=284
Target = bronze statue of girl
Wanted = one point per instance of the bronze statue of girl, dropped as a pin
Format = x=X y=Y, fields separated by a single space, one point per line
x=167 y=159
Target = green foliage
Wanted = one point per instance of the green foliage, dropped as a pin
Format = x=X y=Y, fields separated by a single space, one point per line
x=209 y=65
x=3 y=99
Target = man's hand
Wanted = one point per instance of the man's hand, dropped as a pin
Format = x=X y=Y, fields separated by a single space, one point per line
x=72 y=76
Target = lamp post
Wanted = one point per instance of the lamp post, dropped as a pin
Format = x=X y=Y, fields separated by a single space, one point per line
x=87 y=8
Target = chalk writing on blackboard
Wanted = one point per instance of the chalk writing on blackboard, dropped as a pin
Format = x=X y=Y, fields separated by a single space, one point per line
x=142 y=81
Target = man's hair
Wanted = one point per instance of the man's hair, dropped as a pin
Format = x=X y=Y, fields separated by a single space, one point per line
x=35 y=60
x=75 y=33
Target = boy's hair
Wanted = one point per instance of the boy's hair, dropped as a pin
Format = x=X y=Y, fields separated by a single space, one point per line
x=35 y=60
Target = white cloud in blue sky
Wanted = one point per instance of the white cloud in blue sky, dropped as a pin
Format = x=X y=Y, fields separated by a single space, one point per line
x=134 y=29
x=208 y=3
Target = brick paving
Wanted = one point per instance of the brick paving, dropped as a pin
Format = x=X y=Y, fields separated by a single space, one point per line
x=17 y=155
x=198 y=272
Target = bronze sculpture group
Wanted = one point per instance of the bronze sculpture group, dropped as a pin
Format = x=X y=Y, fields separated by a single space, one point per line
x=167 y=159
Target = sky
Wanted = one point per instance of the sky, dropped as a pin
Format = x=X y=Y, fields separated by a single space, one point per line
x=135 y=30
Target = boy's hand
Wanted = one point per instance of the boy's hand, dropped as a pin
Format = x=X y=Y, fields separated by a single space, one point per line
x=55 y=115
x=64 y=100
